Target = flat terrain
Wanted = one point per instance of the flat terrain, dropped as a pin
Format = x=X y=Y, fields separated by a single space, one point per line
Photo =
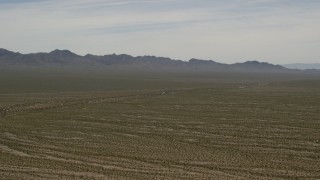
x=157 y=127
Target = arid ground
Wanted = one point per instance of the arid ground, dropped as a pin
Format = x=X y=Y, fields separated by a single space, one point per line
x=159 y=128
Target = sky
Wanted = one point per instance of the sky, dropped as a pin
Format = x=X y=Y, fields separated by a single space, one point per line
x=227 y=31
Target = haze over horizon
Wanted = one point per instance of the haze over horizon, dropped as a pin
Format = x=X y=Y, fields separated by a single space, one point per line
x=274 y=31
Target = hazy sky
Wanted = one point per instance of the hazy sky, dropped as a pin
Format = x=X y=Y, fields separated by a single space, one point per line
x=276 y=31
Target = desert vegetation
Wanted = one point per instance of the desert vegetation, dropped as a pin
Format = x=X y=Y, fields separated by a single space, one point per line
x=179 y=128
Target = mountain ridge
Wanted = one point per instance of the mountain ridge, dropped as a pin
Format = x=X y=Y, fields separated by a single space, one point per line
x=68 y=59
x=303 y=66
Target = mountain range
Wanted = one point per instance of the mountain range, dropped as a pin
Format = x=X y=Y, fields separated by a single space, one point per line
x=303 y=66
x=68 y=59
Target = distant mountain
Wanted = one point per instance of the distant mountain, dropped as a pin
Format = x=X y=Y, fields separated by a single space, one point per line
x=4 y=52
x=68 y=59
x=258 y=66
x=302 y=66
